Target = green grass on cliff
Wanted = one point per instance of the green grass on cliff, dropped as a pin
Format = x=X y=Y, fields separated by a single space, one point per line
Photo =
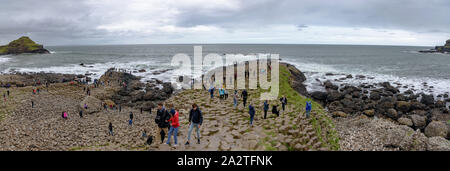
x=24 y=41
x=321 y=122
x=3 y=49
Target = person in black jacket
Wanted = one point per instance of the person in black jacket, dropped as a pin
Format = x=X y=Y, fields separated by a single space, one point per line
x=162 y=119
x=275 y=110
x=244 y=97
x=195 y=120
x=283 y=101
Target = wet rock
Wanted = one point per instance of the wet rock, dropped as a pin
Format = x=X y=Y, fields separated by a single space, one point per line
x=375 y=96
x=427 y=99
x=329 y=85
x=321 y=96
x=402 y=106
x=334 y=96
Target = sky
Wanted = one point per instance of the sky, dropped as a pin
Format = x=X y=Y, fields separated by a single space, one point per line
x=102 y=22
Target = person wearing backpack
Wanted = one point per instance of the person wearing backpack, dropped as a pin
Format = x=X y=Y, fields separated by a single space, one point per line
x=195 y=120
x=308 y=108
x=162 y=120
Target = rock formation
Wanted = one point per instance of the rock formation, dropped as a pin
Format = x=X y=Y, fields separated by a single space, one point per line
x=22 y=45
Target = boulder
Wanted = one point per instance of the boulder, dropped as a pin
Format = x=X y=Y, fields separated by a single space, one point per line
x=405 y=121
x=427 y=99
x=402 y=106
x=339 y=114
x=438 y=144
x=375 y=96
x=436 y=128
x=392 y=113
x=329 y=85
x=334 y=96
x=318 y=95
x=369 y=112
x=419 y=121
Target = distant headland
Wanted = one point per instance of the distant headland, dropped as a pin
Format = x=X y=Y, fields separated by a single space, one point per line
x=439 y=49
x=22 y=45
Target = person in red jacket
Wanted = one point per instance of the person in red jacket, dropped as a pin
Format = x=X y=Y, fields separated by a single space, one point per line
x=175 y=123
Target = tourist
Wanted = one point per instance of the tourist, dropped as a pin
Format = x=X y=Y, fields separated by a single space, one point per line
x=110 y=127
x=120 y=108
x=174 y=119
x=251 y=111
x=244 y=97
x=308 y=108
x=235 y=98
x=266 y=108
x=142 y=109
x=275 y=110
x=283 y=101
x=226 y=94
x=130 y=122
x=32 y=104
x=81 y=114
x=65 y=115
x=85 y=106
x=7 y=92
x=195 y=120
x=221 y=94
x=162 y=119
x=211 y=91
x=144 y=134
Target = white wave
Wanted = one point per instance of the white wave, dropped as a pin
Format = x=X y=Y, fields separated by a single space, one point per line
x=316 y=75
x=4 y=59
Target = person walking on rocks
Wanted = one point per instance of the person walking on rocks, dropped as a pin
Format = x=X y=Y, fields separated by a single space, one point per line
x=81 y=113
x=65 y=115
x=110 y=128
x=226 y=94
x=235 y=98
x=174 y=120
x=130 y=122
x=7 y=92
x=283 y=101
x=221 y=94
x=211 y=91
x=266 y=108
x=251 y=111
x=308 y=108
x=32 y=104
x=195 y=120
x=162 y=120
x=244 y=97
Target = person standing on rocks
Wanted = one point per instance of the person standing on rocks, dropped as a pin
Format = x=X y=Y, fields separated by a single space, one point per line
x=32 y=104
x=221 y=94
x=308 y=108
x=7 y=92
x=195 y=120
x=266 y=108
x=120 y=108
x=283 y=101
x=251 y=111
x=110 y=128
x=130 y=122
x=226 y=94
x=81 y=113
x=244 y=96
x=211 y=91
x=174 y=120
x=162 y=119
x=235 y=98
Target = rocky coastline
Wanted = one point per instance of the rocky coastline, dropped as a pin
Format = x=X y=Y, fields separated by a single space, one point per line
x=367 y=117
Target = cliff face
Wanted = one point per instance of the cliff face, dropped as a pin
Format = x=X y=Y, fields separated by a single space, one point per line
x=445 y=48
x=22 y=45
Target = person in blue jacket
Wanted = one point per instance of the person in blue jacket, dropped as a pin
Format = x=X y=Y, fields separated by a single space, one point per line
x=266 y=108
x=251 y=111
x=308 y=108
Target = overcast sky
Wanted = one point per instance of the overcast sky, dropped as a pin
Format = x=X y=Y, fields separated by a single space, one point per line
x=373 y=22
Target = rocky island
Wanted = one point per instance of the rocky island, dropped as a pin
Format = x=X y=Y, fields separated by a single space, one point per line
x=439 y=49
x=22 y=45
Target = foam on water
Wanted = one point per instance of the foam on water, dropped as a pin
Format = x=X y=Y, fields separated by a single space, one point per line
x=316 y=75
x=4 y=59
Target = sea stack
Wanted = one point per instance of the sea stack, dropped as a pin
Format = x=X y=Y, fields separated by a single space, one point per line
x=22 y=45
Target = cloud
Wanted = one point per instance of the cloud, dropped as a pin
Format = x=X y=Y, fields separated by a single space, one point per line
x=220 y=21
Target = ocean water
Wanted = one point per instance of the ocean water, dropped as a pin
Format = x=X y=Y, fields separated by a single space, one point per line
x=396 y=64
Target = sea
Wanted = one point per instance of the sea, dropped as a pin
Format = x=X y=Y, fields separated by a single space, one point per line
x=400 y=65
